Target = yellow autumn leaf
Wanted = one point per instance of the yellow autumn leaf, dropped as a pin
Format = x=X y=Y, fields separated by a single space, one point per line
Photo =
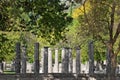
x=80 y=10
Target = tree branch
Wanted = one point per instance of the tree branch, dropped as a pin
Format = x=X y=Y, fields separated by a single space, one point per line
x=100 y=38
x=87 y=19
x=117 y=33
x=112 y=21
x=85 y=14
x=118 y=49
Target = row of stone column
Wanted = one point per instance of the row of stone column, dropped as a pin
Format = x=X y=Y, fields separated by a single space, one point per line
x=21 y=58
x=68 y=64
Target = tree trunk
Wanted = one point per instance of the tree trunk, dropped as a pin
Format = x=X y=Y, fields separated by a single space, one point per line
x=111 y=65
x=1 y=66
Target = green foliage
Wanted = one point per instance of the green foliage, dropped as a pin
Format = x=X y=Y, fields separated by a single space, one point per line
x=44 y=18
x=6 y=47
x=50 y=20
x=3 y=40
x=99 y=51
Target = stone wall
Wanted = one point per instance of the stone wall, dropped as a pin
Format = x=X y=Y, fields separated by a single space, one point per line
x=53 y=76
x=56 y=76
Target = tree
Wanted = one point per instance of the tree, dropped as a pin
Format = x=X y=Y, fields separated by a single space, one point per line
x=47 y=19
x=43 y=18
x=102 y=23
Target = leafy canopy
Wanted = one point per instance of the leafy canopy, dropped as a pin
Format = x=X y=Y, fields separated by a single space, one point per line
x=44 y=18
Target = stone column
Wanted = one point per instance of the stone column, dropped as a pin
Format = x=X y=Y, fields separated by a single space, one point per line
x=91 y=57
x=42 y=60
x=78 y=65
x=70 y=60
x=45 y=70
x=36 y=58
x=65 y=60
x=74 y=65
x=4 y=65
x=23 y=57
x=50 y=61
x=18 y=58
x=56 y=61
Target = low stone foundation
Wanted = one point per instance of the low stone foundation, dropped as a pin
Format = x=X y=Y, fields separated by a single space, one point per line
x=53 y=76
